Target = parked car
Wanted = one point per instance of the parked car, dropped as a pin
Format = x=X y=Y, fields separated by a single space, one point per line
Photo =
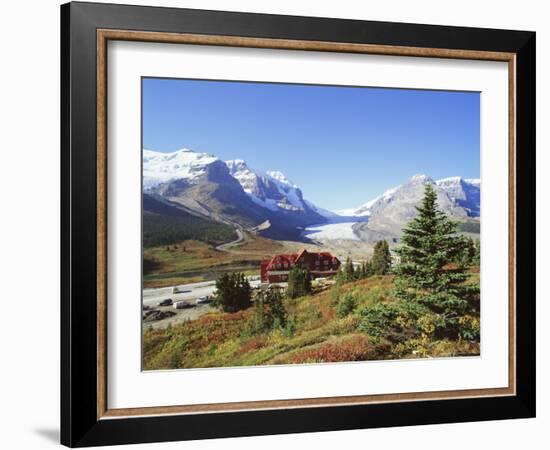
x=166 y=302
x=182 y=304
x=148 y=313
x=203 y=300
x=179 y=290
x=154 y=315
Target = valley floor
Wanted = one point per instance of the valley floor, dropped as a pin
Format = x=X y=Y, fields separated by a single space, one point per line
x=194 y=261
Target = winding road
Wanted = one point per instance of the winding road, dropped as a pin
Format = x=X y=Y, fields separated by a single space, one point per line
x=228 y=245
x=190 y=293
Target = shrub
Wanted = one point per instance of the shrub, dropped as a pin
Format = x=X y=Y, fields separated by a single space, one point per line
x=469 y=328
x=423 y=347
x=335 y=292
x=346 y=305
x=290 y=328
x=356 y=348
x=398 y=320
x=378 y=319
x=253 y=344
x=431 y=325
x=377 y=294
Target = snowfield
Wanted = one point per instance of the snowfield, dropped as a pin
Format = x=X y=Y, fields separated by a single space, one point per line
x=331 y=231
x=257 y=185
x=182 y=164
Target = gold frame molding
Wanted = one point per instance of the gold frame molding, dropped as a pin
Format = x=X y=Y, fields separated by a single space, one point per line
x=103 y=36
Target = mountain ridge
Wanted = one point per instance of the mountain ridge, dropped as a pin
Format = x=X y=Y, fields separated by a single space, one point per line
x=231 y=192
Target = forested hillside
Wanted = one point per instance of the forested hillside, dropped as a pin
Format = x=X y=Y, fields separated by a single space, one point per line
x=164 y=224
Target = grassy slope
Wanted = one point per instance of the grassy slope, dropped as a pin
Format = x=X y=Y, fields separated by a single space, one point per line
x=191 y=261
x=222 y=340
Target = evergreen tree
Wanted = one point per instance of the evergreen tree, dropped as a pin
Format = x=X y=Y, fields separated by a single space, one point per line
x=368 y=268
x=381 y=259
x=365 y=271
x=348 y=272
x=269 y=311
x=277 y=312
x=468 y=256
x=233 y=292
x=299 y=282
x=424 y=274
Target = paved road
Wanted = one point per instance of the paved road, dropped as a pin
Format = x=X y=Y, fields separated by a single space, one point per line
x=185 y=292
x=188 y=292
x=227 y=245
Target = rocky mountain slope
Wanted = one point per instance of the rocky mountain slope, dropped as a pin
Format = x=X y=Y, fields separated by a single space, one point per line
x=270 y=204
x=464 y=192
x=390 y=212
x=228 y=192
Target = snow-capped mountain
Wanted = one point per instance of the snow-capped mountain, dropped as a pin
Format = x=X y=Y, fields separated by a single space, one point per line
x=232 y=192
x=228 y=191
x=390 y=212
x=182 y=164
x=366 y=208
x=271 y=190
x=462 y=192
x=291 y=195
x=465 y=192
x=384 y=216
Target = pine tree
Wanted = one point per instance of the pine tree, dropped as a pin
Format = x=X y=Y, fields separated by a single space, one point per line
x=277 y=311
x=468 y=255
x=424 y=274
x=269 y=311
x=348 y=272
x=299 y=282
x=381 y=259
x=365 y=271
x=233 y=292
x=368 y=268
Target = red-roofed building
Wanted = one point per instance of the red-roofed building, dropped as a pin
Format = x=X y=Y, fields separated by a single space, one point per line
x=276 y=269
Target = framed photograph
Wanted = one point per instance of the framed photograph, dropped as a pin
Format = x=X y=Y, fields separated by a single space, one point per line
x=277 y=224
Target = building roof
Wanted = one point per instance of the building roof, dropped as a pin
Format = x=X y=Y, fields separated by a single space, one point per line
x=293 y=257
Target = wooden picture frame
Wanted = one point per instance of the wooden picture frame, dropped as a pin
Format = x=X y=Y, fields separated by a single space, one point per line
x=86 y=418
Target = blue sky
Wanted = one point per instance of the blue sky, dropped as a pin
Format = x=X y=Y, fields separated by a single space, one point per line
x=342 y=145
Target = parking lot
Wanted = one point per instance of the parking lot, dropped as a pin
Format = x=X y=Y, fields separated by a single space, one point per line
x=189 y=293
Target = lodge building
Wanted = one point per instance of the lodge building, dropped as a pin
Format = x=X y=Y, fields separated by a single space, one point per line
x=276 y=269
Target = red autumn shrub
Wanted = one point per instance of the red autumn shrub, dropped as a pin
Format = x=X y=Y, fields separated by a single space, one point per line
x=356 y=348
x=251 y=345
